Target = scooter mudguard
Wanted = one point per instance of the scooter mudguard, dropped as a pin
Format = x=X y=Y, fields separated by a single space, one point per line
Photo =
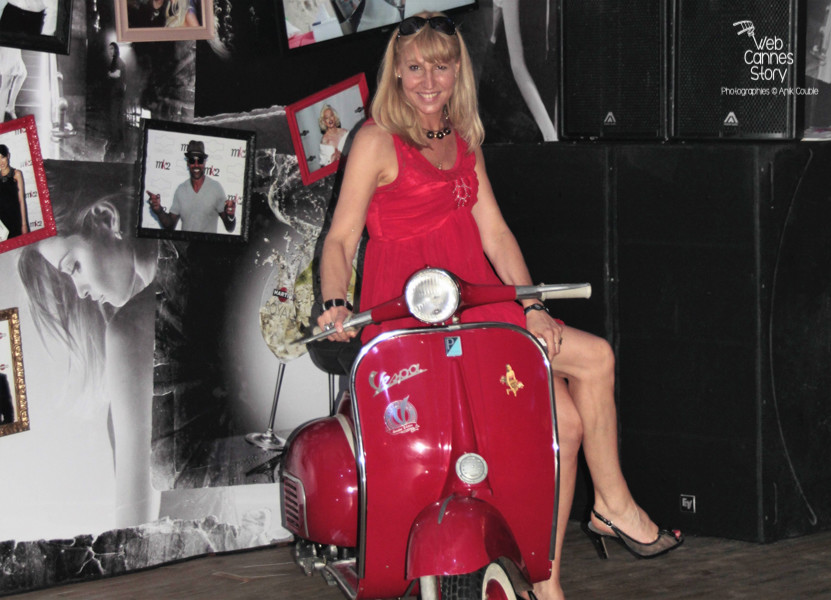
x=422 y=400
x=319 y=483
x=459 y=535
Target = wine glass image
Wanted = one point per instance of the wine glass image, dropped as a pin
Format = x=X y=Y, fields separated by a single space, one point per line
x=285 y=305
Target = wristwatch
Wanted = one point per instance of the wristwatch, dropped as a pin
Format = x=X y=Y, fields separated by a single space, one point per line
x=535 y=306
x=327 y=304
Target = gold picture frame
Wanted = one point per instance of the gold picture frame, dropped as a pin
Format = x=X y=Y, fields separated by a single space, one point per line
x=14 y=412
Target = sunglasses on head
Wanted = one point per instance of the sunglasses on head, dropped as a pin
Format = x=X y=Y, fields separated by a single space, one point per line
x=196 y=160
x=412 y=25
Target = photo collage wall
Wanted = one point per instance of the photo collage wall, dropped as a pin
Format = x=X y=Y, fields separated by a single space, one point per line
x=148 y=353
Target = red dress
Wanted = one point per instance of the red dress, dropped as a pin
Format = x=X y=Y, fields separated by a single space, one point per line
x=421 y=219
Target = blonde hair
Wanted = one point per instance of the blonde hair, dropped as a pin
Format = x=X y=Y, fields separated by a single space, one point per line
x=393 y=112
x=321 y=122
x=177 y=10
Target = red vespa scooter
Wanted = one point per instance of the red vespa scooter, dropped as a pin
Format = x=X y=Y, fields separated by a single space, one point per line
x=438 y=472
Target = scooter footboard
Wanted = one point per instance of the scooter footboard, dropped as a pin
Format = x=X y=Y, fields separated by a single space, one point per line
x=459 y=535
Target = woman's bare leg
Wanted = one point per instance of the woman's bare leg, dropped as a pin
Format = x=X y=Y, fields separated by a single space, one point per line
x=588 y=363
x=570 y=433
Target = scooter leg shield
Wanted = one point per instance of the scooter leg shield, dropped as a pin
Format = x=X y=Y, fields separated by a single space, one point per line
x=319 y=483
x=459 y=535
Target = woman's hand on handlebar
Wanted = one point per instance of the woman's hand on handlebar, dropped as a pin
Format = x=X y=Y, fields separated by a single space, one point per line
x=332 y=319
x=547 y=329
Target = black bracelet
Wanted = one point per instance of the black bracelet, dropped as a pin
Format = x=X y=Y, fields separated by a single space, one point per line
x=535 y=306
x=327 y=304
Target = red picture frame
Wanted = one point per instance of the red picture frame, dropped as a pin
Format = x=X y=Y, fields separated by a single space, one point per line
x=21 y=138
x=317 y=157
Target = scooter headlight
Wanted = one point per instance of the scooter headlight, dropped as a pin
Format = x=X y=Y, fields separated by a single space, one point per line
x=432 y=295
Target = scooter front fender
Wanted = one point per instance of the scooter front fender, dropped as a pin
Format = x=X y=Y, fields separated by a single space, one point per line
x=459 y=535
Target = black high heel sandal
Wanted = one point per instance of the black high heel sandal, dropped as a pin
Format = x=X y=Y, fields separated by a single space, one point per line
x=666 y=540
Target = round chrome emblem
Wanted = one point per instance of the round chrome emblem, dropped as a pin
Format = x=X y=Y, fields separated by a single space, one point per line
x=471 y=468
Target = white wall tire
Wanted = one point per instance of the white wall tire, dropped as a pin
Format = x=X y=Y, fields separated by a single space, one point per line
x=496 y=585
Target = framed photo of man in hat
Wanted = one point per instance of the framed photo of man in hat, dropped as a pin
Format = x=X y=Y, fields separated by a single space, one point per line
x=194 y=182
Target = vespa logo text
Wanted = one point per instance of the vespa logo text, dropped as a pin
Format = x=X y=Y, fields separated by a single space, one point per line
x=381 y=382
x=768 y=59
x=401 y=417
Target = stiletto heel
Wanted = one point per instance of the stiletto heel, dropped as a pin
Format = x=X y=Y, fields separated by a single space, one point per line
x=597 y=540
x=666 y=540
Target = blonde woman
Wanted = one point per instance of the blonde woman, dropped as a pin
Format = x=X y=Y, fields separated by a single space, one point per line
x=182 y=13
x=334 y=136
x=416 y=179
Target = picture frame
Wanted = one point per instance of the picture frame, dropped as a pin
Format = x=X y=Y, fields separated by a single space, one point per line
x=17 y=27
x=140 y=21
x=228 y=163
x=348 y=101
x=14 y=410
x=20 y=137
x=308 y=23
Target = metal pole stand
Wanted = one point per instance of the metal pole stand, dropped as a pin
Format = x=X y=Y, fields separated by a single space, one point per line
x=268 y=440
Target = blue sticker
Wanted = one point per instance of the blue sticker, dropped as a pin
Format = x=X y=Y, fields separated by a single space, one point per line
x=453 y=346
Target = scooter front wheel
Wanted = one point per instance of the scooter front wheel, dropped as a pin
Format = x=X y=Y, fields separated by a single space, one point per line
x=488 y=583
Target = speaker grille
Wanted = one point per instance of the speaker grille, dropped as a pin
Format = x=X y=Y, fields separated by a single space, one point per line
x=717 y=93
x=613 y=71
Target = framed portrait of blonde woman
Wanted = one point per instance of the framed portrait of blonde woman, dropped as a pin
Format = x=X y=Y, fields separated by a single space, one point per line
x=14 y=413
x=164 y=20
x=321 y=123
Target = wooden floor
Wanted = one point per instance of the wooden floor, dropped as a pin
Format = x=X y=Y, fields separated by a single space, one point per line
x=702 y=568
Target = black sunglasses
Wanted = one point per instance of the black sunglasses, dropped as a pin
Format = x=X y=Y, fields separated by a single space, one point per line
x=192 y=160
x=412 y=25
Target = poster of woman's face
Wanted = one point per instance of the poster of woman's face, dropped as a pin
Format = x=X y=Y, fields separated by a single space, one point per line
x=321 y=123
x=41 y=25
x=195 y=182
x=164 y=20
x=14 y=415
x=25 y=210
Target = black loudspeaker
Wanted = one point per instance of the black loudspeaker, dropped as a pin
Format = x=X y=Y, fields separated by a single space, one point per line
x=737 y=69
x=561 y=221
x=724 y=335
x=613 y=69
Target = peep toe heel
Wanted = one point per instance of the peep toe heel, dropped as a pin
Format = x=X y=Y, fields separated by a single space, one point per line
x=667 y=540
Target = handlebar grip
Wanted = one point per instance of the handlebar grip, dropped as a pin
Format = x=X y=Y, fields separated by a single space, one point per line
x=573 y=290
x=358 y=320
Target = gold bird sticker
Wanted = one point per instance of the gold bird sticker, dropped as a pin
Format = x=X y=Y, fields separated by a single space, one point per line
x=509 y=379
